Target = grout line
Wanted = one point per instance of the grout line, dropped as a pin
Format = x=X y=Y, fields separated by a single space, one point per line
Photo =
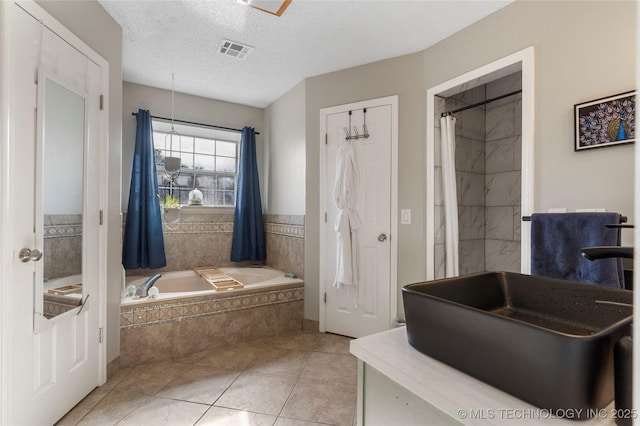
x=203 y=414
x=242 y=371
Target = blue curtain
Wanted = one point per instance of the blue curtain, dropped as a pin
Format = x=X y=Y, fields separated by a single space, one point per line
x=248 y=227
x=143 y=245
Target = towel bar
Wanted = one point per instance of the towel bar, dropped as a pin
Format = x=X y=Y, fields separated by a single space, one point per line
x=623 y=219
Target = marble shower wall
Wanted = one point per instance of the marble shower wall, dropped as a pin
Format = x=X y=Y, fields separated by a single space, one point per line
x=488 y=163
x=205 y=240
x=470 y=176
x=503 y=167
x=438 y=217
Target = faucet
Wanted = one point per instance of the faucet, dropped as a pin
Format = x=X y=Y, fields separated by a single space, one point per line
x=604 y=252
x=143 y=290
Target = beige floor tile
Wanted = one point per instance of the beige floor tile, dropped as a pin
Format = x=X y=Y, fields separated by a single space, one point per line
x=200 y=384
x=160 y=411
x=120 y=375
x=301 y=340
x=150 y=378
x=235 y=357
x=283 y=421
x=89 y=402
x=333 y=343
x=322 y=402
x=280 y=361
x=113 y=408
x=331 y=368
x=218 y=416
x=259 y=393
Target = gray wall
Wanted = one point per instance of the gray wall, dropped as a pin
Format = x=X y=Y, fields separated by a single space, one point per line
x=564 y=75
x=93 y=25
x=187 y=107
x=285 y=140
x=401 y=76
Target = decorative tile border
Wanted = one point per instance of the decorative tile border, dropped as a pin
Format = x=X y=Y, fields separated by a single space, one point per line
x=294 y=231
x=63 y=230
x=198 y=228
x=207 y=305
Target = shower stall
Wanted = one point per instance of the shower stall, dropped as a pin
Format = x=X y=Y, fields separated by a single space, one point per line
x=488 y=153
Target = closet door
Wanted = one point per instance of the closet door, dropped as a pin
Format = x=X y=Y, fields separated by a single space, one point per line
x=51 y=218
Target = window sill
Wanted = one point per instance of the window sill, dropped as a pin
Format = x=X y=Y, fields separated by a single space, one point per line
x=207 y=209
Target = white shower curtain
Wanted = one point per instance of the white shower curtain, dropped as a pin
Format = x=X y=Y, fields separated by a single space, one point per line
x=449 y=194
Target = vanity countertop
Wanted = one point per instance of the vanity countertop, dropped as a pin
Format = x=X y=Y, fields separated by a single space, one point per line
x=458 y=395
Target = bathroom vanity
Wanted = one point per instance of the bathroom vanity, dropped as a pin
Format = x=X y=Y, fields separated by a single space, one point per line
x=399 y=385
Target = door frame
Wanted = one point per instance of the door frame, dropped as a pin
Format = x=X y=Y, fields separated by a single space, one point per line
x=7 y=252
x=393 y=237
x=523 y=61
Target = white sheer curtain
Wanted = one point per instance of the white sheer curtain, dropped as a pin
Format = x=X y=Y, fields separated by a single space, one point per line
x=449 y=194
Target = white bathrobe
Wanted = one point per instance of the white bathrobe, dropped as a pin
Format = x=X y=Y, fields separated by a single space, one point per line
x=347 y=220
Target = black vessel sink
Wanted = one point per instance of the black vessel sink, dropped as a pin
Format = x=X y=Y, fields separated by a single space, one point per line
x=546 y=341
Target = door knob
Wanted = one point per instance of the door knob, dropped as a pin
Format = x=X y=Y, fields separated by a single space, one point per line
x=26 y=255
x=382 y=238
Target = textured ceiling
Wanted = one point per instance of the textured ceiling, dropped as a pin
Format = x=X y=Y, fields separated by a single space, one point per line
x=312 y=37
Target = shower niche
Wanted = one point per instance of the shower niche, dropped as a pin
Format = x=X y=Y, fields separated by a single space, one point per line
x=488 y=153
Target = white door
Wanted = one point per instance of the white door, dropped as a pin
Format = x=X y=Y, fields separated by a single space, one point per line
x=53 y=355
x=370 y=306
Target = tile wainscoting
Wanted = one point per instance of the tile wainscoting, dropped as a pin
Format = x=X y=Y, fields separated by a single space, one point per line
x=285 y=243
x=205 y=240
x=62 y=245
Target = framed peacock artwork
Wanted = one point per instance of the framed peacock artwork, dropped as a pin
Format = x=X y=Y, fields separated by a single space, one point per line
x=606 y=122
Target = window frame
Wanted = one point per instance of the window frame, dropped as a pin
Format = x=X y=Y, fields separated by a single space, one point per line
x=195 y=132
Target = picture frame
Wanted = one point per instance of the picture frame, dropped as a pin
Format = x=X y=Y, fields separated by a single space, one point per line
x=605 y=122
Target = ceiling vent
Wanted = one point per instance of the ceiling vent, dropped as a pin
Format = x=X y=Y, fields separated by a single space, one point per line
x=235 y=49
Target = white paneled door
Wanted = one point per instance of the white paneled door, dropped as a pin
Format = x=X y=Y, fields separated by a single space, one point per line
x=370 y=305
x=52 y=356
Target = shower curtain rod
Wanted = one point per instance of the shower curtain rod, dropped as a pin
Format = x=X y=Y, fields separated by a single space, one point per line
x=497 y=98
x=193 y=123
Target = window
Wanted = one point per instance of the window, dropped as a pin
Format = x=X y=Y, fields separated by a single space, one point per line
x=209 y=162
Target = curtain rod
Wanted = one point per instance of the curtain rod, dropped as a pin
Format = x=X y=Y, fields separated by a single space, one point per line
x=193 y=123
x=497 y=98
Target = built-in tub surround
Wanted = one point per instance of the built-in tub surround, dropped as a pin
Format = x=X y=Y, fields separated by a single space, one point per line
x=203 y=239
x=285 y=242
x=62 y=248
x=62 y=245
x=180 y=323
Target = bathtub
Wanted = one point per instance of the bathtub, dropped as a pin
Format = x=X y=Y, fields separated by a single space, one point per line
x=189 y=316
x=180 y=284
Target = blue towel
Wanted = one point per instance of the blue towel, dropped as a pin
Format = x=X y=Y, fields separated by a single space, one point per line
x=556 y=240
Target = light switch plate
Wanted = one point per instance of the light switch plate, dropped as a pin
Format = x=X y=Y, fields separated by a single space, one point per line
x=405 y=216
